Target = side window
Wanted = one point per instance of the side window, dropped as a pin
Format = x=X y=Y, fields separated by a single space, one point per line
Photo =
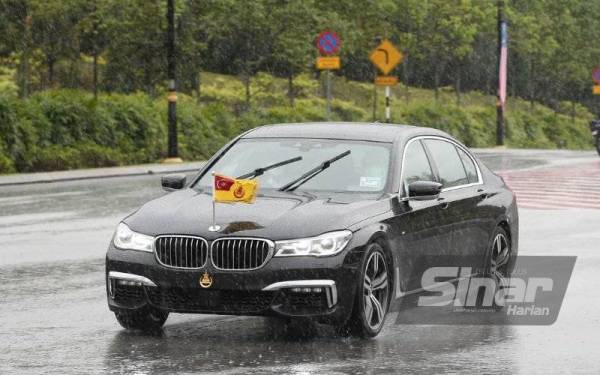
x=469 y=166
x=450 y=167
x=416 y=164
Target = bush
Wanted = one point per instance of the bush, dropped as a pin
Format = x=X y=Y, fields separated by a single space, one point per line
x=347 y=111
x=202 y=131
x=6 y=165
x=66 y=129
x=18 y=136
x=135 y=125
x=85 y=155
x=457 y=121
x=53 y=158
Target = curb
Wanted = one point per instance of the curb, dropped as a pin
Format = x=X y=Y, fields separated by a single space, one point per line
x=97 y=173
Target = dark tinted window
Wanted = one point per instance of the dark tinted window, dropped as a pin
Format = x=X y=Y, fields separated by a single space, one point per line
x=469 y=166
x=416 y=165
x=450 y=167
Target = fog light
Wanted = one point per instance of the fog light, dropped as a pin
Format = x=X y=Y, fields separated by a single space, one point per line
x=306 y=290
x=296 y=290
x=129 y=283
x=317 y=290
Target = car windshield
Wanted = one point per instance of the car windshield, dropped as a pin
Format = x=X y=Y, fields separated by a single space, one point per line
x=364 y=169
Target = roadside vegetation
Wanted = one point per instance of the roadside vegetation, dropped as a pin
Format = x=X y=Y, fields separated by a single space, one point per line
x=83 y=83
x=68 y=128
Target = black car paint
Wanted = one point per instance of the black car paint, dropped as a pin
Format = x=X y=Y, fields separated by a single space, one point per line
x=459 y=222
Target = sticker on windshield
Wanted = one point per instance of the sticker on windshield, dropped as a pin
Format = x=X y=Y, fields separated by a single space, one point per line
x=370 y=182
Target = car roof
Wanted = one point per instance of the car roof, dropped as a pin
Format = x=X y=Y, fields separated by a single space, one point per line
x=363 y=131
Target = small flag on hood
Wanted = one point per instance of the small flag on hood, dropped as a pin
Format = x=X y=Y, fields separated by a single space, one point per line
x=228 y=189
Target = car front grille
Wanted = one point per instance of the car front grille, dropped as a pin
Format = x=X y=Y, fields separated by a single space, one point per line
x=241 y=253
x=196 y=300
x=181 y=251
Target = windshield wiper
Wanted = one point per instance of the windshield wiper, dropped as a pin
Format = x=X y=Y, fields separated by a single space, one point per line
x=260 y=171
x=312 y=173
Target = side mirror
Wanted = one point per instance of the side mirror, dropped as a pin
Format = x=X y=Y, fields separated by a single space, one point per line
x=172 y=182
x=424 y=190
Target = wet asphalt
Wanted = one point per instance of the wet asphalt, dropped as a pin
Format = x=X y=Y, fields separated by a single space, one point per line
x=54 y=318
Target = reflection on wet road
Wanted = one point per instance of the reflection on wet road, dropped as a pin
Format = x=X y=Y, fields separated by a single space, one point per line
x=54 y=318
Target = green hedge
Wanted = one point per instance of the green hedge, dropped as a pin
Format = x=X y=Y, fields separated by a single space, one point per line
x=476 y=125
x=68 y=129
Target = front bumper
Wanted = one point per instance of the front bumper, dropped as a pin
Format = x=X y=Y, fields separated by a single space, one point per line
x=294 y=287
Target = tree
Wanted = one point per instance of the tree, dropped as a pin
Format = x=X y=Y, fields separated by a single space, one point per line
x=293 y=25
x=16 y=19
x=94 y=35
x=54 y=32
x=240 y=38
x=192 y=34
x=445 y=37
x=532 y=46
x=135 y=55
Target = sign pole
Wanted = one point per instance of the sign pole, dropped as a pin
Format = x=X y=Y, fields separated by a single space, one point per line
x=374 y=102
x=328 y=95
x=387 y=104
x=172 y=98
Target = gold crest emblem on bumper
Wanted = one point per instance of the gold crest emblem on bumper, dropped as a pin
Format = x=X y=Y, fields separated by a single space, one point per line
x=206 y=280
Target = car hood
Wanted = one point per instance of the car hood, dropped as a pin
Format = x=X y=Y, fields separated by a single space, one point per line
x=274 y=215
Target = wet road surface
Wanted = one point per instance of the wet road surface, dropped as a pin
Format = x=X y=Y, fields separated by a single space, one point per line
x=54 y=318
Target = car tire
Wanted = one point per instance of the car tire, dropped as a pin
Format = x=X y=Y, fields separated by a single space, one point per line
x=145 y=319
x=498 y=262
x=373 y=293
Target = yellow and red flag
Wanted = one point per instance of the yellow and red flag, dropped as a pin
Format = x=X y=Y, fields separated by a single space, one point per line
x=228 y=189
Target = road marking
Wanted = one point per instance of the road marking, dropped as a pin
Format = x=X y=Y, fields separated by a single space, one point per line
x=556 y=188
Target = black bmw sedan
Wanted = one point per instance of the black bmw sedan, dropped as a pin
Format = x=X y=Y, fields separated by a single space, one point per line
x=342 y=214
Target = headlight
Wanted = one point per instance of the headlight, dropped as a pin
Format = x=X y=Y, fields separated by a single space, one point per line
x=324 y=245
x=125 y=238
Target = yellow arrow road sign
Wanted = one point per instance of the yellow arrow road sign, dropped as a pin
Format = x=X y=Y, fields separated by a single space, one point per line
x=385 y=57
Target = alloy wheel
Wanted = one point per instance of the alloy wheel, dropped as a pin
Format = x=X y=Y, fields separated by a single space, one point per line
x=375 y=290
x=500 y=258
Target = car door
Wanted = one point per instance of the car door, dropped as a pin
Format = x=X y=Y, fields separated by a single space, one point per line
x=459 y=198
x=473 y=234
x=416 y=222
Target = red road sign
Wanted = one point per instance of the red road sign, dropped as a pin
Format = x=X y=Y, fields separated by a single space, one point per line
x=328 y=42
x=596 y=75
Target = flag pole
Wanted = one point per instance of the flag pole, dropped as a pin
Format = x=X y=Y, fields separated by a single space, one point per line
x=502 y=74
x=214 y=227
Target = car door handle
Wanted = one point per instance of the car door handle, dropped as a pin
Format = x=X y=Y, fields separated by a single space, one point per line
x=482 y=194
x=442 y=203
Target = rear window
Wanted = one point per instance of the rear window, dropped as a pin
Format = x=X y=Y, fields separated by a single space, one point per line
x=450 y=167
x=469 y=166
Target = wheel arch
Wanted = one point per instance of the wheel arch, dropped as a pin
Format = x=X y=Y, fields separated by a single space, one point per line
x=376 y=232
x=504 y=223
x=510 y=223
x=380 y=234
